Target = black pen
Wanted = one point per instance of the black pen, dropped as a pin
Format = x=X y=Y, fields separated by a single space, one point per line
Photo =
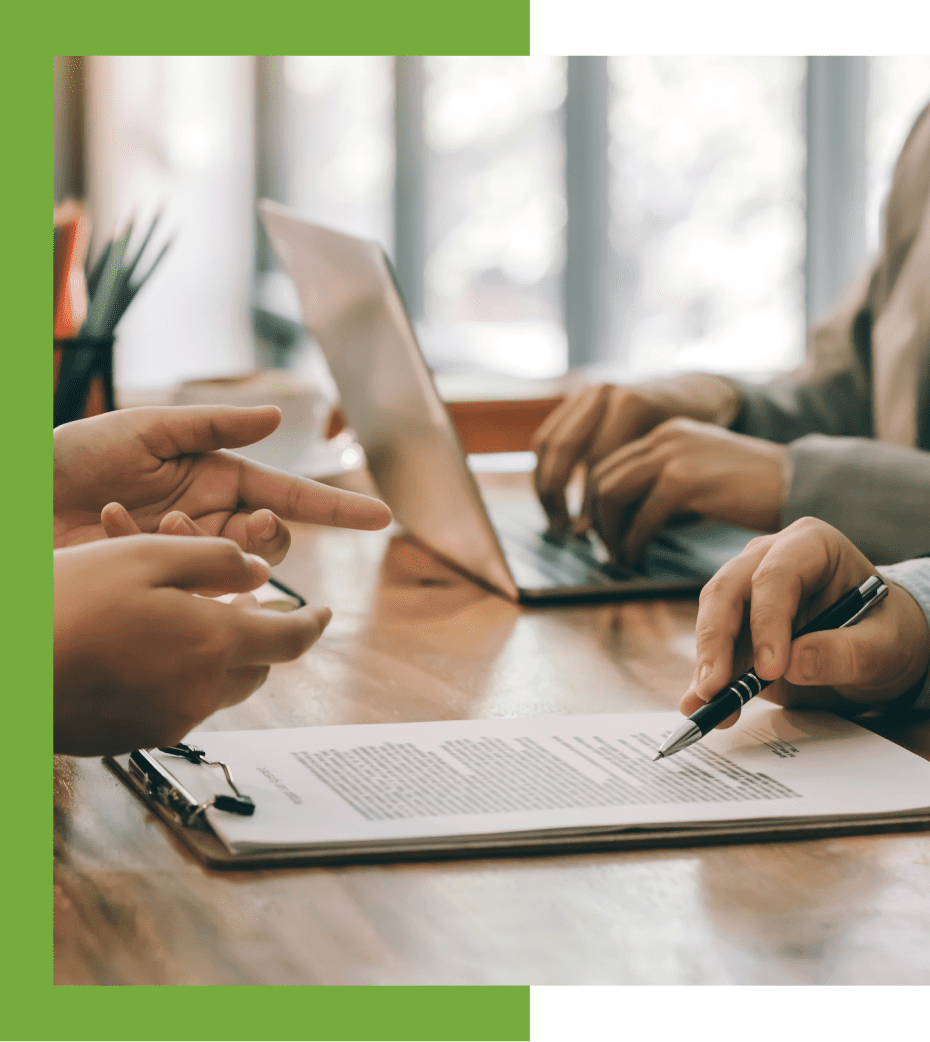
x=847 y=610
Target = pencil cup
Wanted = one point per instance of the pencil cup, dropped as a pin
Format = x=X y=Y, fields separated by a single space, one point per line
x=83 y=377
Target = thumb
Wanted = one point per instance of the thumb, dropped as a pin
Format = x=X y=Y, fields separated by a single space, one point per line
x=203 y=564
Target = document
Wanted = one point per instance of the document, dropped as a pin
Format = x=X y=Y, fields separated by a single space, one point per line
x=465 y=781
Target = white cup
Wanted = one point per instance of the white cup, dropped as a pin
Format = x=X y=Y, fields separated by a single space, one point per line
x=305 y=409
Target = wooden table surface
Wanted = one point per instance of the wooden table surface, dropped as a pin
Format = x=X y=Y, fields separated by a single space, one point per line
x=413 y=640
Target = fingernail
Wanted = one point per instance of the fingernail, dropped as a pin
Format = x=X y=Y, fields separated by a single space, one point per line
x=765 y=657
x=259 y=562
x=180 y=526
x=809 y=662
x=704 y=672
x=269 y=530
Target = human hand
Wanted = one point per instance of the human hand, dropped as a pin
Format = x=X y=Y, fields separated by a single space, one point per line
x=784 y=580
x=164 y=465
x=683 y=467
x=600 y=419
x=139 y=660
x=265 y=535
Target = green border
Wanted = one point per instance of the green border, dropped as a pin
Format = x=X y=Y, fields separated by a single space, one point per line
x=34 y=1008
x=27 y=530
x=286 y=1014
x=359 y=27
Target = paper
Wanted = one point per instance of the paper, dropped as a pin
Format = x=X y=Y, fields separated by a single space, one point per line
x=370 y=784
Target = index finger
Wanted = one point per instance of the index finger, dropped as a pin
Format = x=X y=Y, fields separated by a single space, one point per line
x=720 y=618
x=560 y=444
x=294 y=498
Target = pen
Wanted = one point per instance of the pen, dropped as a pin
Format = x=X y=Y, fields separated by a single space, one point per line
x=847 y=610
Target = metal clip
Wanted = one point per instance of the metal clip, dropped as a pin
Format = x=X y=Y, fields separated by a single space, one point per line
x=164 y=787
x=238 y=804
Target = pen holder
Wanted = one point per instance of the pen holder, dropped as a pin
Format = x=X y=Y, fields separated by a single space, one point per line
x=83 y=378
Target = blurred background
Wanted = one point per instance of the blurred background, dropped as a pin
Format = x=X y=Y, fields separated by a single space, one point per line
x=638 y=215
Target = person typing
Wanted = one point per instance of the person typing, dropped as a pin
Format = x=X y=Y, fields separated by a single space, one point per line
x=845 y=439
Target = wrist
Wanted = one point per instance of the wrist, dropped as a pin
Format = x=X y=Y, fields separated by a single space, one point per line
x=913 y=578
x=901 y=665
x=704 y=397
x=917 y=642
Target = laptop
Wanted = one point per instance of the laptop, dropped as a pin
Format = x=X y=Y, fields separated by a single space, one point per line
x=353 y=307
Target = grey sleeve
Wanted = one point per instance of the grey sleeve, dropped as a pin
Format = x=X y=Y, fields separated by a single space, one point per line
x=876 y=493
x=839 y=404
x=914 y=576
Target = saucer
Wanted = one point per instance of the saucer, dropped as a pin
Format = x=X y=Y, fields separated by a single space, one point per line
x=339 y=455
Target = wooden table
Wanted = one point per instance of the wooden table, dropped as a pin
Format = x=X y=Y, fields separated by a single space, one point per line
x=413 y=640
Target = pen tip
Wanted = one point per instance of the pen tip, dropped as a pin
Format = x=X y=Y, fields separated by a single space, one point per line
x=658 y=756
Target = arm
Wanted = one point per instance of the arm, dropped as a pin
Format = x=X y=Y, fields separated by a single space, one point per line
x=831 y=393
x=838 y=404
x=914 y=576
x=844 y=387
x=877 y=494
x=648 y=460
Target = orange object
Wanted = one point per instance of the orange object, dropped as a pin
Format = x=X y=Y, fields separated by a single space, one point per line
x=498 y=425
x=69 y=289
x=501 y=425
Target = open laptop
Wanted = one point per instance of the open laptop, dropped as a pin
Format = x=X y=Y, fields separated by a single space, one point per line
x=352 y=305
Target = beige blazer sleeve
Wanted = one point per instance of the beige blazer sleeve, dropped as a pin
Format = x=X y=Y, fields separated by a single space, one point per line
x=866 y=385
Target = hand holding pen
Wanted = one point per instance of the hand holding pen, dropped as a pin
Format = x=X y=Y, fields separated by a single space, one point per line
x=883 y=657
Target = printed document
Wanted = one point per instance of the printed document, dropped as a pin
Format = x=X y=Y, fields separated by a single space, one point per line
x=371 y=784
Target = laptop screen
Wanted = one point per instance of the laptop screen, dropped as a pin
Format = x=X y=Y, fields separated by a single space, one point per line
x=352 y=306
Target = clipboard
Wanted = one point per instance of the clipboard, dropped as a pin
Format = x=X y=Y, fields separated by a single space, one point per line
x=357 y=769
x=184 y=817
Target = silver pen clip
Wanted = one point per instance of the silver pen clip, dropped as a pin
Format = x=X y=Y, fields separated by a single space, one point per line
x=871 y=591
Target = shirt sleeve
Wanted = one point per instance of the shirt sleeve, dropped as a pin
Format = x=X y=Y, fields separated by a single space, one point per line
x=914 y=576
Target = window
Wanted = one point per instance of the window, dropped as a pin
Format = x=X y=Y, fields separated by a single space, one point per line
x=707 y=212
x=495 y=213
x=899 y=89
x=176 y=134
x=642 y=214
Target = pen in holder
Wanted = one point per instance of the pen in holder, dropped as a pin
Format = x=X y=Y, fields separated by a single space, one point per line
x=83 y=377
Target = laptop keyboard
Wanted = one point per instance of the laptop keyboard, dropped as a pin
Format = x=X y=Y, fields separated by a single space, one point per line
x=540 y=560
